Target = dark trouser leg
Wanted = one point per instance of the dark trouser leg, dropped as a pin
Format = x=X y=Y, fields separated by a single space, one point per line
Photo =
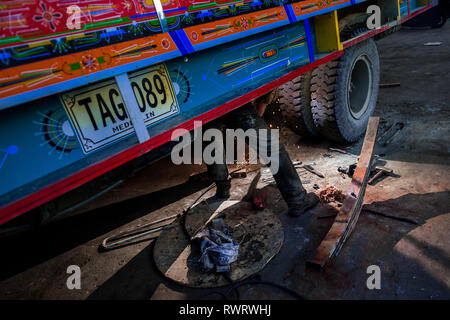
x=219 y=173
x=287 y=179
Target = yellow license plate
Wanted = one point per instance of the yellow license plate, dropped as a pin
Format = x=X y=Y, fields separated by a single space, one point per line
x=98 y=113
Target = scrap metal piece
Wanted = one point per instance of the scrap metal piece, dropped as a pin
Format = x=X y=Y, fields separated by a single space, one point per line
x=348 y=214
x=380 y=171
x=348 y=170
x=310 y=168
x=139 y=232
x=240 y=174
x=390 y=133
x=398 y=129
x=338 y=150
x=437 y=43
x=389 y=85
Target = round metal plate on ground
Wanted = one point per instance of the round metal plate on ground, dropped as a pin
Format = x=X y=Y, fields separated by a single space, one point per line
x=259 y=233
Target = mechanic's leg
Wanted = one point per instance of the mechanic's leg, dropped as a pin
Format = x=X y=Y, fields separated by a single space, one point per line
x=219 y=174
x=286 y=177
x=260 y=104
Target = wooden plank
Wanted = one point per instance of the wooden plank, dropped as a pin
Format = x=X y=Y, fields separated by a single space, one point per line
x=348 y=215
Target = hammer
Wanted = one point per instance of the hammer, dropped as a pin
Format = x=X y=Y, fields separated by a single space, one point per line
x=380 y=172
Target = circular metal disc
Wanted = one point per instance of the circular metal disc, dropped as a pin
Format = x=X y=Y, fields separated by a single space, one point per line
x=259 y=233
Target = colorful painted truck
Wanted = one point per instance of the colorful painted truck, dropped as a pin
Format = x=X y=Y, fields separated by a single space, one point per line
x=87 y=87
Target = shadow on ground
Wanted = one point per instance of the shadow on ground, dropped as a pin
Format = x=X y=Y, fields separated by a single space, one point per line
x=373 y=242
x=55 y=238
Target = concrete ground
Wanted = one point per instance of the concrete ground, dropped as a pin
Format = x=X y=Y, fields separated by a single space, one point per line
x=414 y=259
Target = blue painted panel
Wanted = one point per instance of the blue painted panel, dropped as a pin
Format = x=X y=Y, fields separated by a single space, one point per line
x=38 y=145
x=42 y=139
x=290 y=12
x=233 y=70
x=310 y=40
x=404 y=8
x=240 y=35
x=414 y=5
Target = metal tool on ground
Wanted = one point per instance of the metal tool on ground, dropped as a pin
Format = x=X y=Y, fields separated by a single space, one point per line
x=389 y=85
x=349 y=212
x=399 y=127
x=136 y=233
x=242 y=173
x=310 y=168
x=271 y=179
x=380 y=171
x=348 y=170
x=385 y=133
x=338 y=150
x=390 y=133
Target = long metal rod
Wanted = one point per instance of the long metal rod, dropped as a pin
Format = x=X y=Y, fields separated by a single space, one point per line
x=107 y=245
x=113 y=241
x=349 y=213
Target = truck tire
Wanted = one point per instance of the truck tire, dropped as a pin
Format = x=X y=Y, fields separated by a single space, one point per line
x=294 y=97
x=344 y=92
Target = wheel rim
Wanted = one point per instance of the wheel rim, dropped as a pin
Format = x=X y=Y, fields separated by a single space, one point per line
x=359 y=87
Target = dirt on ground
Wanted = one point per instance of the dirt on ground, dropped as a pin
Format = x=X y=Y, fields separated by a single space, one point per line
x=331 y=194
x=413 y=258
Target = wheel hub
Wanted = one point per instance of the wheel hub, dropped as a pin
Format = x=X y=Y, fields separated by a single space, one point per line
x=359 y=87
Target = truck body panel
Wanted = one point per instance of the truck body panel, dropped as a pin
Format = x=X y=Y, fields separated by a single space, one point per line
x=64 y=120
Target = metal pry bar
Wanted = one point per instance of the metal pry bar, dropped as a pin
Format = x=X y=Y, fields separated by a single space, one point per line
x=134 y=234
x=349 y=213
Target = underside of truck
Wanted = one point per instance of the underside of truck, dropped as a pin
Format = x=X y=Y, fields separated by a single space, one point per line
x=90 y=95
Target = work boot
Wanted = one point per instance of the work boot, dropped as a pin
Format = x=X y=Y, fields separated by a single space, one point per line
x=219 y=173
x=223 y=189
x=298 y=208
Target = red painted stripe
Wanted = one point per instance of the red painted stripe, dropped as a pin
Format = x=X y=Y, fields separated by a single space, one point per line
x=54 y=190
x=372 y=33
x=412 y=15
